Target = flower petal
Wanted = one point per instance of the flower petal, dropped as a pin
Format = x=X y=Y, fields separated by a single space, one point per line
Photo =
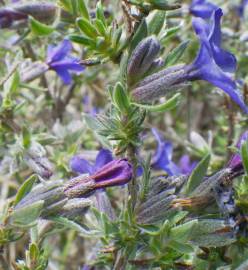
x=225 y=60
x=80 y=165
x=104 y=156
x=67 y=65
x=59 y=52
x=203 y=9
x=63 y=74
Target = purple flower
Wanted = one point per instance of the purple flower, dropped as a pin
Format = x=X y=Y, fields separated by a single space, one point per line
x=212 y=63
x=59 y=60
x=236 y=160
x=162 y=160
x=116 y=172
x=202 y=8
x=241 y=7
x=185 y=165
x=80 y=165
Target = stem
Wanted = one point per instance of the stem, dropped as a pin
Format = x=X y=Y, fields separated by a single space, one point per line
x=132 y=185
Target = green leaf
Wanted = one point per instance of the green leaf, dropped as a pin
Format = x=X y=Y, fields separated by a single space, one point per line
x=92 y=122
x=170 y=33
x=168 y=105
x=26 y=216
x=176 y=54
x=156 y=23
x=100 y=27
x=25 y=188
x=140 y=34
x=214 y=240
x=149 y=229
x=33 y=252
x=244 y=154
x=100 y=13
x=87 y=28
x=26 y=138
x=83 y=10
x=76 y=227
x=40 y=29
x=181 y=247
x=198 y=173
x=182 y=232
x=120 y=98
x=83 y=40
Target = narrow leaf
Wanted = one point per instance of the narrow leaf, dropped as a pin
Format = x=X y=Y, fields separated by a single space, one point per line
x=168 y=105
x=140 y=34
x=87 y=28
x=176 y=54
x=25 y=188
x=40 y=29
x=244 y=154
x=198 y=173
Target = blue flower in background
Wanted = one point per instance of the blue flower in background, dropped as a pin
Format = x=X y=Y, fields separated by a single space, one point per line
x=236 y=159
x=59 y=60
x=162 y=159
x=241 y=7
x=80 y=165
x=202 y=8
x=213 y=64
x=185 y=165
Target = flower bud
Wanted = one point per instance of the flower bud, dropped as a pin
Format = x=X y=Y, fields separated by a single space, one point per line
x=114 y=173
x=42 y=12
x=162 y=192
x=142 y=58
x=159 y=84
x=8 y=16
x=33 y=71
x=75 y=207
x=36 y=160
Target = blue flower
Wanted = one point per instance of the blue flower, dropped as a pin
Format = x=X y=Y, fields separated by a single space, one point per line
x=59 y=60
x=162 y=160
x=213 y=64
x=185 y=165
x=241 y=7
x=80 y=165
x=236 y=160
x=202 y=8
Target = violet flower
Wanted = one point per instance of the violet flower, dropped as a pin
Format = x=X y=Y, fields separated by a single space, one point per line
x=185 y=164
x=241 y=7
x=80 y=165
x=162 y=159
x=212 y=64
x=115 y=173
x=202 y=8
x=59 y=60
x=236 y=160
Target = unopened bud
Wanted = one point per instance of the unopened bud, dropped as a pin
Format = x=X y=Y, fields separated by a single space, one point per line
x=43 y=12
x=36 y=160
x=142 y=59
x=159 y=84
x=33 y=71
